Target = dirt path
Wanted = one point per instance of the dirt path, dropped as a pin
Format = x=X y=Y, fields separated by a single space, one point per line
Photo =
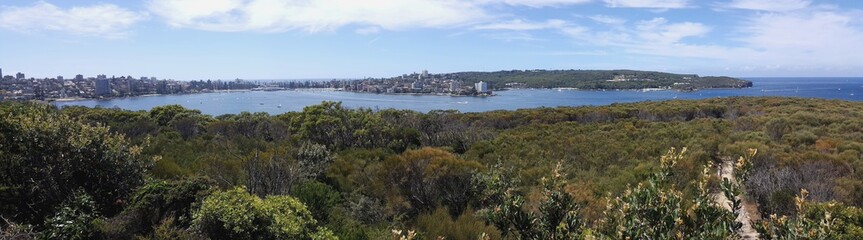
x=726 y=170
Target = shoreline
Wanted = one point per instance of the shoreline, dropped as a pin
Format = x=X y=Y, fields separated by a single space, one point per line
x=76 y=99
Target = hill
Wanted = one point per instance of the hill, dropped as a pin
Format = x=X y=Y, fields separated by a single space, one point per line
x=357 y=173
x=597 y=79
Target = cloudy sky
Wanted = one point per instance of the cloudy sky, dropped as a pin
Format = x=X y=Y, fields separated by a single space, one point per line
x=292 y=39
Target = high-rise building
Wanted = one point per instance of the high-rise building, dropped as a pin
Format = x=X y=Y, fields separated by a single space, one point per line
x=101 y=76
x=19 y=76
x=481 y=87
x=1 y=73
x=79 y=77
x=103 y=87
x=60 y=77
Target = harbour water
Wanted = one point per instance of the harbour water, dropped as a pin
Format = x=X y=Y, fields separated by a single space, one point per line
x=219 y=103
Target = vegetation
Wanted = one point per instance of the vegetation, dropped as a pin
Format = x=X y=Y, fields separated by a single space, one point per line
x=598 y=79
x=331 y=172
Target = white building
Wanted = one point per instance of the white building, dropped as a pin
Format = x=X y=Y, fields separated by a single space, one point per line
x=481 y=87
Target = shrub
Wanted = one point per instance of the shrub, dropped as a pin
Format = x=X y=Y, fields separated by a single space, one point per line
x=236 y=214
x=76 y=219
x=45 y=156
x=557 y=217
x=158 y=203
x=320 y=198
x=467 y=226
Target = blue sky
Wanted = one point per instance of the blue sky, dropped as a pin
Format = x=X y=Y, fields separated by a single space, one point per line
x=295 y=39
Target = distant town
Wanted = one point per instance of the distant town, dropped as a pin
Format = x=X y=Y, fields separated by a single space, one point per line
x=60 y=88
x=19 y=87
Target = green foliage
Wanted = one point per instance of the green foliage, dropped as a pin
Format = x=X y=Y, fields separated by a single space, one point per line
x=157 y=205
x=655 y=209
x=75 y=219
x=428 y=176
x=595 y=79
x=45 y=156
x=557 y=217
x=163 y=115
x=236 y=214
x=332 y=125
x=800 y=227
x=467 y=226
x=320 y=198
x=371 y=161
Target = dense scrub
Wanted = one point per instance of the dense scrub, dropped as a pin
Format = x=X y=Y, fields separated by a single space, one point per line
x=333 y=172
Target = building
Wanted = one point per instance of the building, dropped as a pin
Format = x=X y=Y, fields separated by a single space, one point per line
x=60 y=77
x=425 y=74
x=1 y=73
x=79 y=77
x=19 y=76
x=481 y=87
x=103 y=87
x=454 y=86
x=101 y=76
x=417 y=85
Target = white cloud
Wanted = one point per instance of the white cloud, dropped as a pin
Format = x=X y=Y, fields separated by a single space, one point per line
x=368 y=30
x=522 y=25
x=314 y=15
x=658 y=30
x=772 y=5
x=605 y=19
x=657 y=4
x=656 y=37
x=541 y=3
x=105 y=20
x=819 y=38
x=513 y=36
x=804 y=41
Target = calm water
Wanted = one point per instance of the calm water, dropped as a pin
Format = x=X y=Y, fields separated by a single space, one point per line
x=294 y=100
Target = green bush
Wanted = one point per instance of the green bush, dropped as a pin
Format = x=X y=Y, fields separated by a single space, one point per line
x=157 y=203
x=320 y=198
x=467 y=226
x=236 y=214
x=45 y=156
x=77 y=218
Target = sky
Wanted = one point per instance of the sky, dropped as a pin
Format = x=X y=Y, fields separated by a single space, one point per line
x=303 y=39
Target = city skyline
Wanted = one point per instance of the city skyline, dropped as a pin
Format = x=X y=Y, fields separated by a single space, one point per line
x=325 y=39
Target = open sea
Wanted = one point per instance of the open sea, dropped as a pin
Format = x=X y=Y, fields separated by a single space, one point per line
x=219 y=103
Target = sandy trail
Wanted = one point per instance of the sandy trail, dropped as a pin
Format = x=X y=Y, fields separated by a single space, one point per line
x=726 y=170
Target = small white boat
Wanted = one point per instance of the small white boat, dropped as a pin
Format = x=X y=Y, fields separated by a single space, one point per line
x=280 y=106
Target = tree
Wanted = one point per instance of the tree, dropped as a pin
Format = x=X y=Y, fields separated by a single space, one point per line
x=45 y=157
x=278 y=171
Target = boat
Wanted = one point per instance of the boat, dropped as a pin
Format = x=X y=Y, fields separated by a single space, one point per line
x=280 y=106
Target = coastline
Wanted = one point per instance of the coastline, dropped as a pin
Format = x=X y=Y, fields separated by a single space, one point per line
x=74 y=99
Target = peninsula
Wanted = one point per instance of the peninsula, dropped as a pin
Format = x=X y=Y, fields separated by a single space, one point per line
x=484 y=83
